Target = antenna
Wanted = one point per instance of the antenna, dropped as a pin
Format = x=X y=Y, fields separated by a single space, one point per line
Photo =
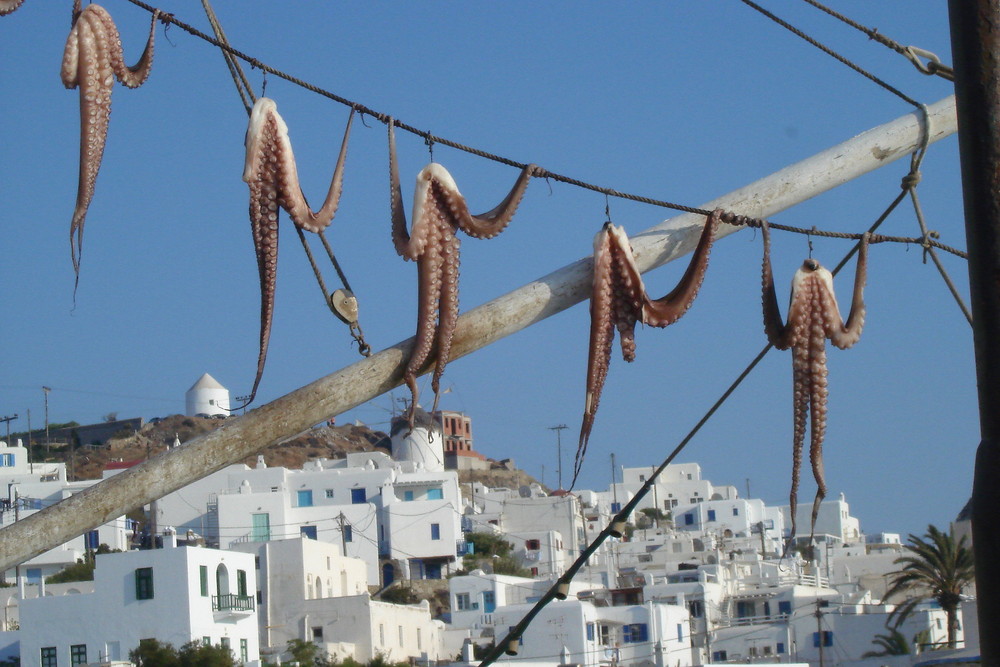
x=559 y=430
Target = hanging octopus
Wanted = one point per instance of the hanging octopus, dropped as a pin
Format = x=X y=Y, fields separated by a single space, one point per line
x=91 y=61
x=813 y=316
x=619 y=300
x=439 y=209
x=270 y=172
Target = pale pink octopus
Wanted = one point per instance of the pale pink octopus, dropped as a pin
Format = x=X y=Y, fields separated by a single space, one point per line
x=91 y=61
x=439 y=209
x=813 y=316
x=269 y=169
x=619 y=300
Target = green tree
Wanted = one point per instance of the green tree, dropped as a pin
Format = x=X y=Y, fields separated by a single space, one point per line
x=197 y=654
x=153 y=653
x=893 y=643
x=937 y=567
x=303 y=652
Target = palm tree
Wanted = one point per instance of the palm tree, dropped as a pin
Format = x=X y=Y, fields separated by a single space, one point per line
x=938 y=568
x=893 y=643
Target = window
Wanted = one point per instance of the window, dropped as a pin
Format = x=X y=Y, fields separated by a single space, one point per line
x=534 y=571
x=688 y=519
x=697 y=608
x=781 y=647
x=92 y=539
x=736 y=511
x=244 y=651
x=590 y=632
x=348 y=534
x=785 y=607
x=462 y=602
x=329 y=493
x=308 y=532
x=533 y=545
x=78 y=654
x=745 y=609
x=7 y=461
x=719 y=656
x=49 y=656
x=680 y=632
x=261 y=531
x=435 y=494
x=358 y=496
x=827 y=638
x=224 y=642
x=241 y=582
x=144 y=583
x=203 y=578
x=435 y=531
x=489 y=602
x=642 y=478
x=317 y=633
x=206 y=640
x=305 y=498
x=407 y=496
x=616 y=507
x=635 y=633
x=381 y=634
x=711 y=515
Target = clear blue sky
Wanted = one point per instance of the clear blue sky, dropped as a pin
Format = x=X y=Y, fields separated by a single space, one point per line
x=682 y=101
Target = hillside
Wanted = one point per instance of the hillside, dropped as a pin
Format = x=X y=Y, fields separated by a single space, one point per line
x=330 y=442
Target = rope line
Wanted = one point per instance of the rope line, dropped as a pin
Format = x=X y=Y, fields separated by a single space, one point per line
x=912 y=53
x=537 y=172
x=830 y=52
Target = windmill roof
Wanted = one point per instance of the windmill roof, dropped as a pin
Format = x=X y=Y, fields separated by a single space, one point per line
x=206 y=381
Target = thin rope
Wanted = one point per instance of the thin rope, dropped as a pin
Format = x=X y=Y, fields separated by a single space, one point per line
x=830 y=52
x=239 y=78
x=912 y=53
x=910 y=182
x=537 y=172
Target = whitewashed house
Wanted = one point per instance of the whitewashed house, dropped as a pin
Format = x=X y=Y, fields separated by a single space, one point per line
x=833 y=519
x=581 y=633
x=175 y=595
x=678 y=484
x=311 y=592
x=30 y=487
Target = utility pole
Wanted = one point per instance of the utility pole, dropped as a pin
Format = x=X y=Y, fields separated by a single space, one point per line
x=46 y=390
x=819 y=632
x=975 y=40
x=7 y=420
x=343 y=538
x=559 y=430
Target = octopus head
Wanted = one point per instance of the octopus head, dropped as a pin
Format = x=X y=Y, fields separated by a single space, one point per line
x=810 y=265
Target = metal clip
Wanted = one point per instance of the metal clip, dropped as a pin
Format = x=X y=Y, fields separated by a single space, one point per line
x=933 y=66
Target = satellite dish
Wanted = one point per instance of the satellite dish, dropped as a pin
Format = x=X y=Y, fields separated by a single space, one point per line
x=524 y=492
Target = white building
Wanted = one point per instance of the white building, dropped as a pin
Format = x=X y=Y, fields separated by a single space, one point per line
x=174 y=595
x=678 y=484
x=833 y=519
x=581 y=633
x=31 y=487
x=206 y=397
x=310 y=591
x=398 y=517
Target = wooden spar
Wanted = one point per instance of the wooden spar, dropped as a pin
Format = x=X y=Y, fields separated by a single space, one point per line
x=351 y=386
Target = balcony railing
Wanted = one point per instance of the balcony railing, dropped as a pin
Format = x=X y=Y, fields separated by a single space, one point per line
x=230 y=602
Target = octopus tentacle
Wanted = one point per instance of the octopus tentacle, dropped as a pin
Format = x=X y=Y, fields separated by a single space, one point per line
x=666 y=310
x=845 y=334
x=92 y=58
x=813 y=316
x=8 y=6
x=775 y=330
x=619 y=300
x=439 y=210
x=270 y=172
